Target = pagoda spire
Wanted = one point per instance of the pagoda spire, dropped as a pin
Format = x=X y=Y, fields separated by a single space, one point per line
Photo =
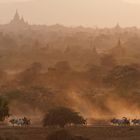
x=92 y=46
x=119 y=50
x=16 y=17
x=18 y=21
x=119 y=43
x=22 y=19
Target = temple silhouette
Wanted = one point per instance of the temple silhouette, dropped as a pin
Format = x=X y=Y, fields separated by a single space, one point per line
x=18 y=21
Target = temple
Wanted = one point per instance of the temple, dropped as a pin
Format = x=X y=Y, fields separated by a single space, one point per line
x=18 y=21
x=118 y=51
x=117 y=28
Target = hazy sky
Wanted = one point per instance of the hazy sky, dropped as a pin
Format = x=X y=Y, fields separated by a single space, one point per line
x=74 y=12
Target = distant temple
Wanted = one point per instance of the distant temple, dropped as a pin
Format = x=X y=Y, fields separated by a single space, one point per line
x=117 y=28
x=18 y=21
x=93 y=48
x=118 y=51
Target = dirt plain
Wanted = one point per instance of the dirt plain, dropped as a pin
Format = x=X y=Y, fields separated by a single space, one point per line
x=93 y=133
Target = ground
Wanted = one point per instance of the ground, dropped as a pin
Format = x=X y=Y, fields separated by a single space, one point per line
x=93 y=133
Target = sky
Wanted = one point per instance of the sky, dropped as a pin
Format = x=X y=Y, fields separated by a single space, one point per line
x=101 y=13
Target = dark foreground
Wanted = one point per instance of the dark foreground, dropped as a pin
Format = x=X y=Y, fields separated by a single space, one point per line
x=93 y=133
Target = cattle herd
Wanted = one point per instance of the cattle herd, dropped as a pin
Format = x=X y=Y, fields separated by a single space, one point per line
x=115 y=122
x=20 y=121
x=125 y=122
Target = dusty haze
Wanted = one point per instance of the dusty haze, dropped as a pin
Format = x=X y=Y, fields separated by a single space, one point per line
x=95 y=71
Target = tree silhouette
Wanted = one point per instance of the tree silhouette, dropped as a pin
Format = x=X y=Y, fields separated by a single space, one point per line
x=124 y=77
x=4 y=109
x=62 y=116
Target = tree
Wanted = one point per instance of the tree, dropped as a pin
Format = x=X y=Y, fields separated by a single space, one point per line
x=124 y=77
x=61 y=116
x=63 y=66
x=95 y=74
x=29 y=76
x=108 y=61
x=4 y=109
